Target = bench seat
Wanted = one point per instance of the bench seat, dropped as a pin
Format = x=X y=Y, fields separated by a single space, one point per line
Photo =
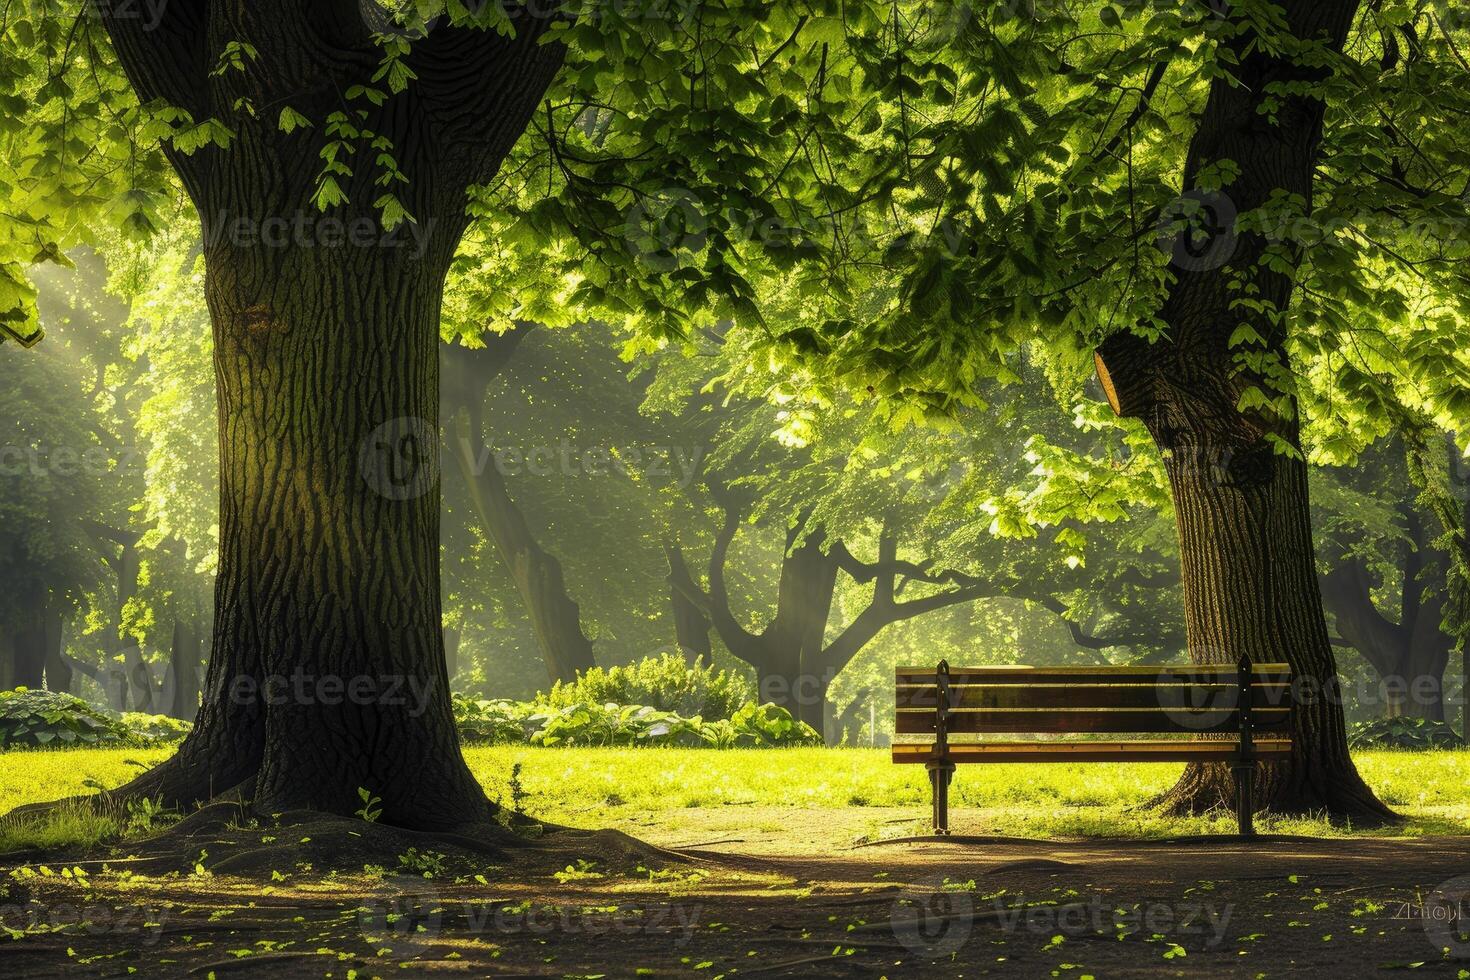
x=1151 y=750
x=1234 y=714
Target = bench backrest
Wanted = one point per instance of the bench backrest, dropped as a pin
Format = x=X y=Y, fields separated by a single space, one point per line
x=1190 y=699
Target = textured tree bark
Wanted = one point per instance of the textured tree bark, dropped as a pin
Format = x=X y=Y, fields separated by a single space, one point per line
x=327 y=670
x=556 y=620
x=1245 y=540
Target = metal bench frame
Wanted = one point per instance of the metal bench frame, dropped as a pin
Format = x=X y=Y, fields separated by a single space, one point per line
x=1242 y=752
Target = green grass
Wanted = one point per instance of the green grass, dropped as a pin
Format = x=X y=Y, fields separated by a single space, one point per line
x=612 y=787
x=592 y=787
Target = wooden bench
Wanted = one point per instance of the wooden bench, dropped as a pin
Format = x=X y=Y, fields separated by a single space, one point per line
x=1222 y=707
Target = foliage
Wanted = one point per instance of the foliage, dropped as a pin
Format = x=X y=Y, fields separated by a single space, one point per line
x=665 y=683
x=1403 y=733
x=606 y=723
x=43 y=717
x=494 y=722
x=143 y=727
x=47 y=718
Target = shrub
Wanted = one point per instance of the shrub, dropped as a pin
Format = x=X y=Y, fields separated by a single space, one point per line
x=147 y=728
x=47 y=718
x=665 y=683
x=1403 y=733
x=613 y=724
x=33 y=718
x=593 y=724
x=492 y=722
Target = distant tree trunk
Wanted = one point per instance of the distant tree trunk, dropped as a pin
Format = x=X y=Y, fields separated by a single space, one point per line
x=184 y=662
x=792 y=640
x=59 y=674
x=1245 y=538
x=795 y=676
x=849 y=721
x=121 y=657
x=794 y=663
x=7 y=659
x=30 y=640
x=556 y=620
x=1409 y=656
x=691 y=623
x=452 y=637
x=140 y=680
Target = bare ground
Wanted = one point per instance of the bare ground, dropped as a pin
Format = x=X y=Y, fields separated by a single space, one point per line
x=752 y=891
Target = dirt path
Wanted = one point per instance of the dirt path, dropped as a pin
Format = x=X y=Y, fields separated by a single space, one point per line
x=775 y=892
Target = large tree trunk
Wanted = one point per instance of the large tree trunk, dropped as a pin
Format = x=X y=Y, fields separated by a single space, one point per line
x=556 y=620
x=326 y=672
x=1245 y=539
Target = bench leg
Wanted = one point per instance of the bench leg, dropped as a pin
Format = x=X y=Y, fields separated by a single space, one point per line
x=1245 y=773
x=940 y=774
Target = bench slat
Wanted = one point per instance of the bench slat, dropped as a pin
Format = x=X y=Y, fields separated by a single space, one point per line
x=1139 y=751
x=1061 y=721
x=1183 y=674
x=1092 y=695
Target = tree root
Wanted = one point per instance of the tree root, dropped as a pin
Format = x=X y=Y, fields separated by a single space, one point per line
x=1211 y=786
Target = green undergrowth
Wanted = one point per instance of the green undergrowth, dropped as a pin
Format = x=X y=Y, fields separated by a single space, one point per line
x=668 y=788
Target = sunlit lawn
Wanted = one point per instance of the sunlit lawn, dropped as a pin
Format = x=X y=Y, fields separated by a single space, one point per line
x=609 y=787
